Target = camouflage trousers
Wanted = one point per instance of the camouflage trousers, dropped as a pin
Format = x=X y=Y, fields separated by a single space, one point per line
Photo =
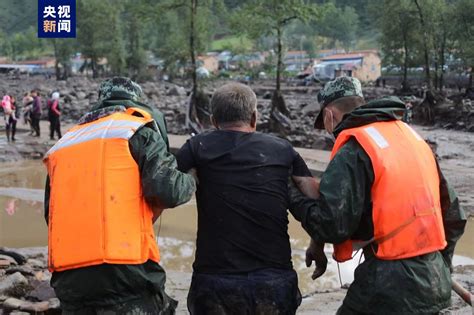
x=149 y=305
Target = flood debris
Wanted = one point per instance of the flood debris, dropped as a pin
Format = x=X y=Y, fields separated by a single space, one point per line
x=25 y=288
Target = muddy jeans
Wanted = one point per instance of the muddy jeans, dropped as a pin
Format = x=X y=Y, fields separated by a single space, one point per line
x=35 y=123
x=262 y=292
x=54 y=126
x=148 y=305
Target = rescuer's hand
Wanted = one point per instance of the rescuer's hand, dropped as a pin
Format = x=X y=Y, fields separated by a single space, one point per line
x=315 y=252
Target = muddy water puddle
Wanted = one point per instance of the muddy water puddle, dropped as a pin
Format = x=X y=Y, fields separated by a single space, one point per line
x=22 y=225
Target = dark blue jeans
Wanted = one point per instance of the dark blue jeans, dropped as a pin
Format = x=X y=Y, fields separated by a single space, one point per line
x=262 y=292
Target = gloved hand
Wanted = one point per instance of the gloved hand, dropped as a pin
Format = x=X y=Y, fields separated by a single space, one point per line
x=315 y=252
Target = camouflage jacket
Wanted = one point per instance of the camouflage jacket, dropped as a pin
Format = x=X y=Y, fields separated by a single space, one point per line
x=162 y=185
x=416 y=285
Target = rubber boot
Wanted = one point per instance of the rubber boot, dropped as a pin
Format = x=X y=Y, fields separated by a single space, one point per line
x=8 y=134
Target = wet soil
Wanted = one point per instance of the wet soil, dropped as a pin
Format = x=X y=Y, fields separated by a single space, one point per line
x=21 y=209
x=22 y=223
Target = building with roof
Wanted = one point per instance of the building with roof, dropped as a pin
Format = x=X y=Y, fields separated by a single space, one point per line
x=246 y=61
x=364 y=65
x=296 y=60
x=41 y=63
x=210 y=62
x=328 y=52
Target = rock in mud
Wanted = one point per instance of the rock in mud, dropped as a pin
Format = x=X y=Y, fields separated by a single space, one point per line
x=12 y=281
x=4 y=263
x=24 y=270
x=42 y=291
x=35 y=306
x=12 y=304
x=10 y=259
x=17 y=304
x=81 y=95
x=36 y=263
x=176 y=91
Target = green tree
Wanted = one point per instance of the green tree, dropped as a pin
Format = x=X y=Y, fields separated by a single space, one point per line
x=63 y=49
x=135 y=16
x=259 y=18
x=172 y=44
x=399 y=39
x=339 y=24
x=426 y=40
x=463 y=33
x=93 y=30
x=17 y=16
x=196 y=19
x=26 y=45
x=301 y=36
x=442 y=33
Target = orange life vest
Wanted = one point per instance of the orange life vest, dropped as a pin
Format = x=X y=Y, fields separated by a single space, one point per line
x=97 y=213
x=406 y=210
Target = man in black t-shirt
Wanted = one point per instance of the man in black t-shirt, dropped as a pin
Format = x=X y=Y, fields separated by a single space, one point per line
x=243 y=256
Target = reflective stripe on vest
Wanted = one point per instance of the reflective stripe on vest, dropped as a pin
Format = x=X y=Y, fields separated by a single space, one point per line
x=97 y=213
x=406 y=210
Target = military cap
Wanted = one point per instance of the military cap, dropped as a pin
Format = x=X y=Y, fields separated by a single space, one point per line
x=333 y=90
x=119 y=87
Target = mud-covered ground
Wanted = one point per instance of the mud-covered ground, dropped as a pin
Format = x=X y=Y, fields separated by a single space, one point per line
x=455 y=150
x=26 y=287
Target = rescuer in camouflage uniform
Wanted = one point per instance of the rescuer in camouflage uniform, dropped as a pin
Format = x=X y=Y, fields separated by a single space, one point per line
x=125 y=288
x=416 y=285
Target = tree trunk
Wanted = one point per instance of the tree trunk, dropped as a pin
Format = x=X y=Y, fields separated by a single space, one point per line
x=66 y=71
x=56 y=61
x=425 y=45
x=442 y=61
x=278 y=101
x=192 y=50
x=94 y=68
x=279 y=62
x=405 y=61
x=470 y=78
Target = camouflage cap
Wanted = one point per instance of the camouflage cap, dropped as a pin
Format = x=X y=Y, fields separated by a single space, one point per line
x=335 y=89
x=119 y=87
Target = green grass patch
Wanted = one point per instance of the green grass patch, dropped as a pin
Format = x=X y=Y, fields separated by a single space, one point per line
x=233 y=43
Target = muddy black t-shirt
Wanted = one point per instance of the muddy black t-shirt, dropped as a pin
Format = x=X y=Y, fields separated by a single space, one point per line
x=242 y=199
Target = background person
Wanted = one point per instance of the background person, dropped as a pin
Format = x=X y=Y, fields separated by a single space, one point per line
x=26 y=111
x=54 y=116
x=9 y=117
x=36 y=112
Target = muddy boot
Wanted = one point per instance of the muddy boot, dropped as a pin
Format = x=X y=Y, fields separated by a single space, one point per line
x=8 y=134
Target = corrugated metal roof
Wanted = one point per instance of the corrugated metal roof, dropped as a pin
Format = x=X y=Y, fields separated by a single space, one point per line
x=343 y=56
